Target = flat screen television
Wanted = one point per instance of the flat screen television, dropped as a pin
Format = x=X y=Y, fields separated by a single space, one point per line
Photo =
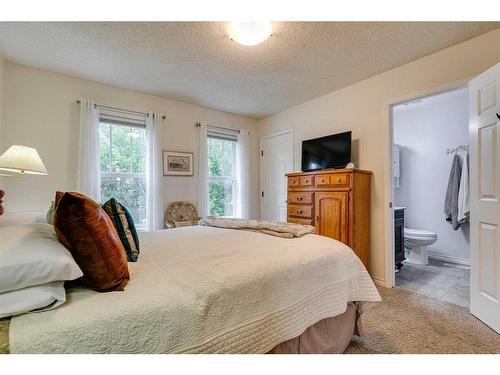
x=332 y=151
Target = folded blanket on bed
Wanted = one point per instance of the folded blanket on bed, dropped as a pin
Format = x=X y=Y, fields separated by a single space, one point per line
x=274 y=228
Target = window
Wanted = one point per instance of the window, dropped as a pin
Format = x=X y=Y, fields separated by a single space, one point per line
x=221 y=174
x=123 y=162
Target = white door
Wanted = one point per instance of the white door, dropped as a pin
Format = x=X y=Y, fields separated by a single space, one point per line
x=484 y=123
x=276 y=161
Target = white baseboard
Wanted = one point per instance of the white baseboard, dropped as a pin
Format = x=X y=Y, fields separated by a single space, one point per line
x=449 y=258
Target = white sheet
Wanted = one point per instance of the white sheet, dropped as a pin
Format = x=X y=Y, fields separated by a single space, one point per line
x=35 y=299
x=204 y=289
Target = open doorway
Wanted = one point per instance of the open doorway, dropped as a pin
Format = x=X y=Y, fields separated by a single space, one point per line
x=430 y=195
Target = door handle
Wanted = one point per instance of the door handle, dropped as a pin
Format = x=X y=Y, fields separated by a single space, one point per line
x=317 y=218
x=498 y=115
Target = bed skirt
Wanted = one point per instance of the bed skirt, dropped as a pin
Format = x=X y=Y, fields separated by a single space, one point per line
x=328 y=336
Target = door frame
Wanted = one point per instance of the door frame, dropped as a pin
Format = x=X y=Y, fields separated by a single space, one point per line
x=389 y=277
x=272 y=135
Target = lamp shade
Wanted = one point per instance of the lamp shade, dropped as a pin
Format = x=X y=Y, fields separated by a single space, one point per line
x=22 y=159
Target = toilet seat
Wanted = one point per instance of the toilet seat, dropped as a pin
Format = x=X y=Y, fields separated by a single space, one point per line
x=417 y=233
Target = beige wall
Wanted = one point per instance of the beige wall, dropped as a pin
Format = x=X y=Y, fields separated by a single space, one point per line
x=2 y=113
x=2 y=66
x=42 y=113
x=362 y=108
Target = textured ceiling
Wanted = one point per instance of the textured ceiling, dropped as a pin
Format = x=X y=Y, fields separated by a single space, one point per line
x=196 y=62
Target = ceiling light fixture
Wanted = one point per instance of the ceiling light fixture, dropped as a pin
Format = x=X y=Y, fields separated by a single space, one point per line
x=249 y=33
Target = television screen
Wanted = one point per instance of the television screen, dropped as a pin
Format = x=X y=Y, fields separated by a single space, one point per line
x=333 y=151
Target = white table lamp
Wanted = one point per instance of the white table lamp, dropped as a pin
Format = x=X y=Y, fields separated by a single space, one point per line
x=20 y=160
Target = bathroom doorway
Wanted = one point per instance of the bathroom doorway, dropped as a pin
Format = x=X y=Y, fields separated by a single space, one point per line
x=430 y=195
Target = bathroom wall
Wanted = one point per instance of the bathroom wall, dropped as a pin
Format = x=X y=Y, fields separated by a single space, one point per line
x=425 y=130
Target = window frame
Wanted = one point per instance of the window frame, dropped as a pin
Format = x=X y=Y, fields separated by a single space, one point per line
x=110 y=174
x=231 y=179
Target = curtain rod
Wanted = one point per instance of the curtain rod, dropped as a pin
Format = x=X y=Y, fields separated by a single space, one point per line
x=198 y=124
x=121 y=109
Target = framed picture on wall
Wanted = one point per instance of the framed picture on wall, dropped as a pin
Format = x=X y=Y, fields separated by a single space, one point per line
x=176 y=163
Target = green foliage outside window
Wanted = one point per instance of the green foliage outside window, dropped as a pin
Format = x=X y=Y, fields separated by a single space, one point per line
x=123 y=160
x=221 y=179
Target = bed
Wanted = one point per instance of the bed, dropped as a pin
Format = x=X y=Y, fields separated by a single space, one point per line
x=211 y=290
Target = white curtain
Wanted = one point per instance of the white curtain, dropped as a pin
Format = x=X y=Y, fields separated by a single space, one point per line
x=154 y=173
x=89 y=166
x=243 y=174
x=202 y=170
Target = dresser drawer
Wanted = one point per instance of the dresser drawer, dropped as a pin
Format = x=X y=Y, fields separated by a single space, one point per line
x=306 y=181
x=322 y=180
x=300 y=221
x=293 y=182
x=341 y=179
x=300 y=211
x=300 y=197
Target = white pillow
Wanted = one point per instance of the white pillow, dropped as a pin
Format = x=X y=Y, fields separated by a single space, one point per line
x=31 y=255
x=39 y=298
x=21 y=218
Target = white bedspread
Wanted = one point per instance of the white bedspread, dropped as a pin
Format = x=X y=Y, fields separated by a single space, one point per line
x=204 y=289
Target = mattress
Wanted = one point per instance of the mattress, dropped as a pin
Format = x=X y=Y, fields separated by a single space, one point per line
x=205 y=290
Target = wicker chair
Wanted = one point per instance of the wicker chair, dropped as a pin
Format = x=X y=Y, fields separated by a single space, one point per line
x=181 y=214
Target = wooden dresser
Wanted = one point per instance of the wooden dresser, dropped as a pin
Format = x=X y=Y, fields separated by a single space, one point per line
x=337 y=203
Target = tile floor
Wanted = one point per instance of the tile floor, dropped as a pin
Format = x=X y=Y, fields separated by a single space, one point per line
x=442 y=280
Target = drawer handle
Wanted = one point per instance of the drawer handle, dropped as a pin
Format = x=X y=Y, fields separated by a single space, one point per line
x=323 y=181
x=300 y=198
x=339 y=179
x=307 y=181
x=300 y=211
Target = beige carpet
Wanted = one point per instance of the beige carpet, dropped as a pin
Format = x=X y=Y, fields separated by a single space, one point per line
x=406 y=322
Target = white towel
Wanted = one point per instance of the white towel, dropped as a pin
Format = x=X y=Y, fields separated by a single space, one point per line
x=463 y=193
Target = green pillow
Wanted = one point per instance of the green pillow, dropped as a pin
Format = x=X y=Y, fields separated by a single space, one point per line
x=124 y=225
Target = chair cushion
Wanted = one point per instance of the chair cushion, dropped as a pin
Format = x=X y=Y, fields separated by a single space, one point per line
x=89 y=234
x=124 y=225
x=187 y=223
x=181 y=214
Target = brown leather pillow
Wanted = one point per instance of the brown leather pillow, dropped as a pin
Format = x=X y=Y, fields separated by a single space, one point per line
x=87 y=231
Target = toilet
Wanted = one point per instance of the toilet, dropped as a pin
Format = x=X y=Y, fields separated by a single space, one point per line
x=417 y=241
